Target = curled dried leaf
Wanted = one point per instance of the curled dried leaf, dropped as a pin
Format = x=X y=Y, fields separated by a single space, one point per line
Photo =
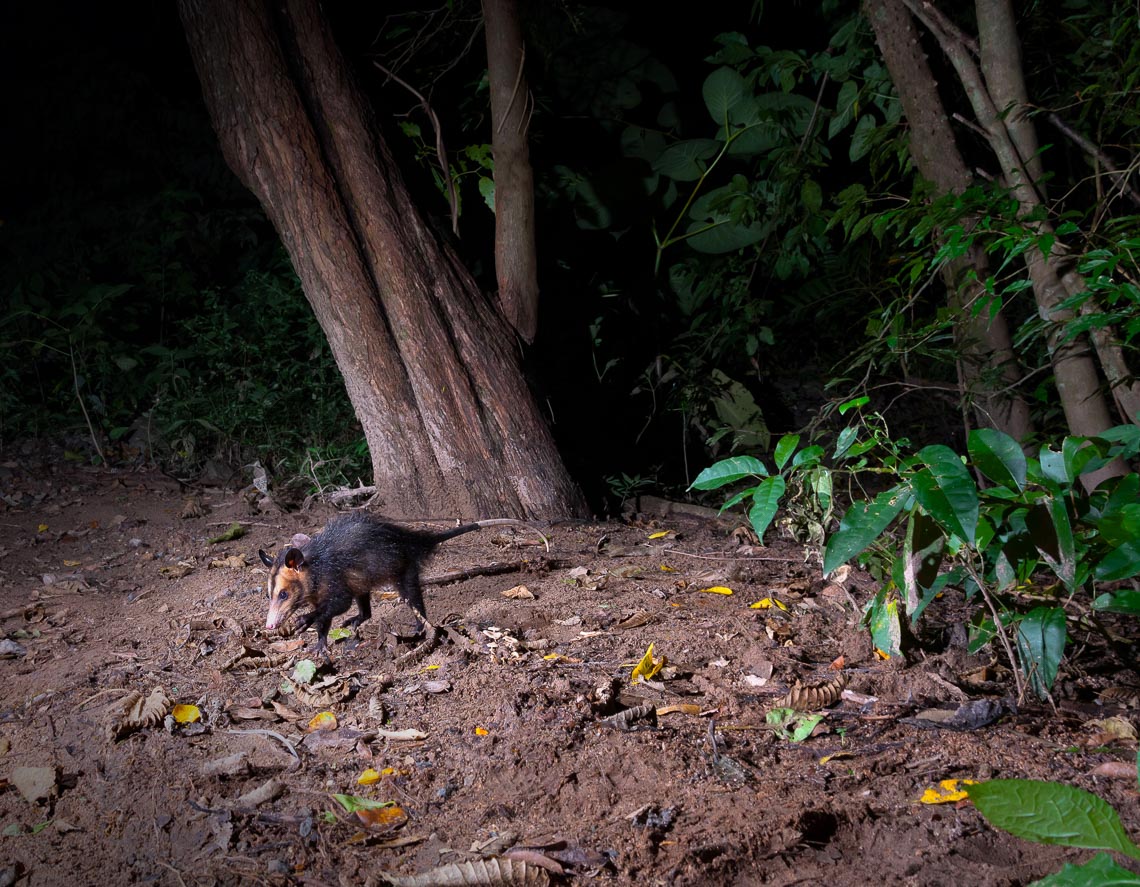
x=496 y=871
x=327 y=694
x=813 y=697
x=631 y=718
x=138 y=712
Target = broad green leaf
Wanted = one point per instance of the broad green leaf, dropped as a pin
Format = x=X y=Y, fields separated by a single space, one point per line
x=811 y=195
x=1052 y=534
x=844 y=108
x=785 y=448
x=853 y=404
x=863 y=523
x=1125 y=492
x=846 y=439
x=883 y=622
x=1123 y=601
x=1052 y=813
x=766 y=500
x=922 y=556
x=727 y=471
x=810 y=454
x=1077 y=452
x=998 y=456
x=1054 y=468
x=1121 y=526
x=722 y=235
x=1123 y=562
x=1041 y=637
x=821 y=486
x=952 y=499
x=685 y=161
x=861 y=139
x=304 y=671
x=737 y=498
x=1100 y=871
x=723 y=89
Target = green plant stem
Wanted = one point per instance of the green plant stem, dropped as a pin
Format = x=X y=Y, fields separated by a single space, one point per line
x=82 y=405
x=1018 y=678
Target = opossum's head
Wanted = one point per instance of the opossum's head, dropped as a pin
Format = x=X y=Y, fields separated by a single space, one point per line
x=289 y=581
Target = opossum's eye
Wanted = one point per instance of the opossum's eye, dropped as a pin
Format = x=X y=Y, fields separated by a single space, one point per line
x=283 y=596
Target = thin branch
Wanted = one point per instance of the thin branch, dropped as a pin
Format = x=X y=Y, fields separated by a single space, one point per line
x=440 y=151
x=1094 y=151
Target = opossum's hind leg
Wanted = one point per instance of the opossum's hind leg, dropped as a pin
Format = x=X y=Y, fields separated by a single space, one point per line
x=363 y=610
x=412 y=594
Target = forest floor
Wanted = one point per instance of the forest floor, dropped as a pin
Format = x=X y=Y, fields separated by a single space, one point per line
x=494 y=745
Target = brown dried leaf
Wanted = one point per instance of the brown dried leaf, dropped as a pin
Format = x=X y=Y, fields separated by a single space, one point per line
x=519 y=593
x=329 y=694
x=233 y=562
x=642 y=715
x=815 y=697
x=500 y=871
x=138 y=712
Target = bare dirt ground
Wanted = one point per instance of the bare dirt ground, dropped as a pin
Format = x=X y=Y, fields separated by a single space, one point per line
x=107 y=589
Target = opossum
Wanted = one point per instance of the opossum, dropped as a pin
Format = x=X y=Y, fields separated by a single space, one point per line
x=342 y=563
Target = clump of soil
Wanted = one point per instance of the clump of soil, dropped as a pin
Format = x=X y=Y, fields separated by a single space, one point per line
x=501 y=741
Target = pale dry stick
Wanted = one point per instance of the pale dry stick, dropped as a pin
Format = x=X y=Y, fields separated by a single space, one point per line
x=719 y=557
x=275 y=735
x=1017 y=677
x=82 y=405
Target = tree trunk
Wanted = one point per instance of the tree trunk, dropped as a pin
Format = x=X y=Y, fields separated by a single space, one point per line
x=989 y=370
x=1075 y=372
x=515 y=260
x=429 y=366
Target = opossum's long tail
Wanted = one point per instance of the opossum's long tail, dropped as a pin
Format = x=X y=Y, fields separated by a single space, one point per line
x=492 y=522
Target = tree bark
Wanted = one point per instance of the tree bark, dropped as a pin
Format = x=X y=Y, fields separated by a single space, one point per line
x=989 y=370
x=515 y=258
x=429 y=366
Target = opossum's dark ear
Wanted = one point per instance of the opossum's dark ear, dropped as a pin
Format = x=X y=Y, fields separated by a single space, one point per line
x=294 y=559
x=265 y=559
x=300 y=540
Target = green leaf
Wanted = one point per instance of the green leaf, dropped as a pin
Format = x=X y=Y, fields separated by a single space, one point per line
x=766 y=500
x=1100 y=871
x=1054 y=468
x=685 y=161
x=846 y=439
x=884 y=623
x=811 y=195
x=947 y=491
x=1041 y=637
x=1123 y=562
x=922 y=556
x=304 y=670
x=723 y=89
x=785 y=448
x=1123 y=601
x=853 y=404
x=1052 y=534
x=862 y=138
x=352 y=803
x=998 y=456
x=863 y=523
x=1051 y=813
x=723 y=235
x=727 y=471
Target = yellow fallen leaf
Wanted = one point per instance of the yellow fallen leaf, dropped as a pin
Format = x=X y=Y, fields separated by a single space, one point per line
x=481 y=731
x=660 y=535
x=647 y=667
x=948 y=792
x=186 y=714
x=839 y=755
x=665 y=568
x=368 y=777
x=42 y=528
x=326 y=720
x=72 y=563
x=717 y=589
x=388 y=771
x=430 y=667
x=767 y=604
x=686 y=708
x=879 y=654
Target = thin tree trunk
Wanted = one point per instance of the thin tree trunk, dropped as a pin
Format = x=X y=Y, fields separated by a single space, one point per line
x=515 y=259
x=1085 y=407
x=429 y=365
x=989 y=369
x=1000 y=53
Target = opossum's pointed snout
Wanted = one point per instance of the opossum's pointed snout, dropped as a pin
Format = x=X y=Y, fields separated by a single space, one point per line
x=271 y=621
